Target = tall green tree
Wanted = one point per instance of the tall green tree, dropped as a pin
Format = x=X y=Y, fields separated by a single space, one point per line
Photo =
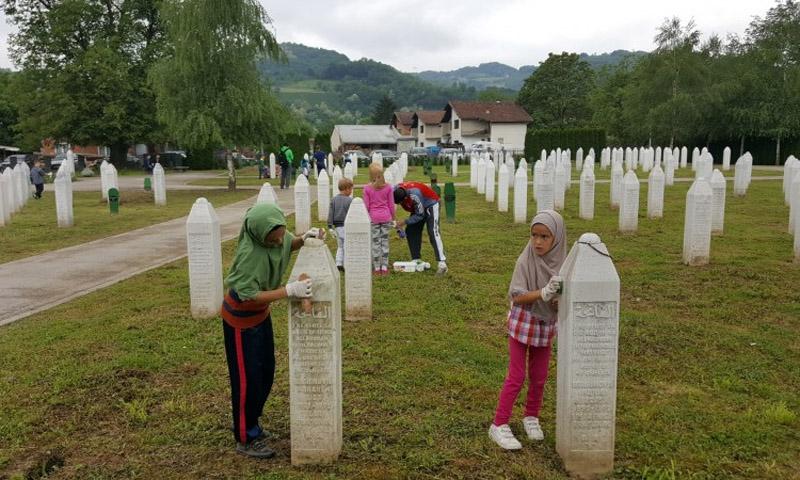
x=384 y=109
x=209 y=91
x=774 y=44
x=557 y=93
x=84 y=65
x=8 y=110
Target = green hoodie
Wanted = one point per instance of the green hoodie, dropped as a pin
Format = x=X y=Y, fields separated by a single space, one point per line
x=257 y=267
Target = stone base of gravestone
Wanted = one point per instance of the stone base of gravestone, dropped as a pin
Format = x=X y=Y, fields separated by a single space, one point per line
x=315 y=360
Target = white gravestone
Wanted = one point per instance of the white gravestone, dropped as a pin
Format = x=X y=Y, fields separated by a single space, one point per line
x=454 y=165
x=473 y=172
x=159 y=185
x=697 y=224
x=521 y=195
x=348 y=170
x=16 y=175
x=113 y=177
x=579 y=159
x=5 y=214
x=337 y=175
x=315 y=360
x=796 y=232
x=718 y=189
x=302 y=205
x=684 y=157
x=545 y=191
x=669 y=170
x=489 y=182
x=63 y=187
x=272 y=172
x=794 y=207
x=588 y=345
x=203 y=244
x=655 y=193
x=695 y=158
x=502 y=189
x=790 y=169
x=8 y=194
x=586 y=201
x=267 y=195
x=358 y=262
x=104 y=179
x=560 y=186
x=323 y=196
x=629 y=204
x=481 y=176
x=616 y=184
x=726 y=159
x=70 y=162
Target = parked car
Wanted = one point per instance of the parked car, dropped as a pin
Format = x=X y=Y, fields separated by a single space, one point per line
x=418 y=152
x=433 y=150
x=12 y=160
x=484 y=146
x=446 y=152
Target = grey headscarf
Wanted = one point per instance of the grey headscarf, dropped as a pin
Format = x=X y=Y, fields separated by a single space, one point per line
x=532 y=272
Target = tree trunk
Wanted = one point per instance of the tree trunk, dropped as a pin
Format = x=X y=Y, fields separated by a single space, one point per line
x=119 y=154
x=231 y=174
x=741 y=146
x=778 y=151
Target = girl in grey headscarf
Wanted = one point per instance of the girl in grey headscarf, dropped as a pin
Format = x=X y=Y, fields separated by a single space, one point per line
x=531 y=325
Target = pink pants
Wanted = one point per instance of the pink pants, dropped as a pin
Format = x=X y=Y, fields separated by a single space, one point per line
x=537 y=363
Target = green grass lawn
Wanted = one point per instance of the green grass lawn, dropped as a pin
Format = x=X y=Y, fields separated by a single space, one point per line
x=122 y=383
x=35 y=229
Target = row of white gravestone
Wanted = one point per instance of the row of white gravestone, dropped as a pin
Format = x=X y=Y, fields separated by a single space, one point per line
x=15 y=191
x=159 y=185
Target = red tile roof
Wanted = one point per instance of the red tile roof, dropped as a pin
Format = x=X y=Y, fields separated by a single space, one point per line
x=429 y=117
x=495 y=112
x=404 y=118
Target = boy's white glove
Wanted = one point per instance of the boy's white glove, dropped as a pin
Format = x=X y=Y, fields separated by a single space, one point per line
x=314 y=233
x=551 y=289
x=299 y=289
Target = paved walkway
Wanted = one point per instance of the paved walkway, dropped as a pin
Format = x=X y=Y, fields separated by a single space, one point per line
x=34 y=284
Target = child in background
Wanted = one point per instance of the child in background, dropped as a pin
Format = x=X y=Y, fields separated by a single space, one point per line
x=337 y=213
x=531 y=326
x=379 y=200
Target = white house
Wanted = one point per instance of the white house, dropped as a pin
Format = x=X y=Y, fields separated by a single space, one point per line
x=426 y=126
x=504 y=123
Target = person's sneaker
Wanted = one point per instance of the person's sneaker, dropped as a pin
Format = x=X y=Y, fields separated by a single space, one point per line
x=257 y=448
x=384 y=270
x=503 y=436
x=442 y=269
x=532 y=428
x=340 y=267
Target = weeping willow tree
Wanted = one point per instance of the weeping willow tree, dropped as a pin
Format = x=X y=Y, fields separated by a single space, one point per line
x=209 y=93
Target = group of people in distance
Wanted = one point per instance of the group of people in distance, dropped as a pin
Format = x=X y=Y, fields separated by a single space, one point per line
x=263 y=255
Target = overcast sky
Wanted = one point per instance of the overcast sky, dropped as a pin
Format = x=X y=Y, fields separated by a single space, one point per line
x=416 y=35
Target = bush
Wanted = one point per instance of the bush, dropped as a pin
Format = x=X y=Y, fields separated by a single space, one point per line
x=572 y=138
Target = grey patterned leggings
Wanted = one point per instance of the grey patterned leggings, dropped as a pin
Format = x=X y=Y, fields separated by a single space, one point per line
x=380 y=245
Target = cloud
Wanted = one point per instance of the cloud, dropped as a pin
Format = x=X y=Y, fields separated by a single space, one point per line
x=415 y=35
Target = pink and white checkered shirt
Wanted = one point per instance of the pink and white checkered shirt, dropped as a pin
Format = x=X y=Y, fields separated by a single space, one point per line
x=526 y=328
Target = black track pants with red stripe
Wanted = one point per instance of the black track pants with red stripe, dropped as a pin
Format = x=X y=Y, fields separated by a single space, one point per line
x=251 y=365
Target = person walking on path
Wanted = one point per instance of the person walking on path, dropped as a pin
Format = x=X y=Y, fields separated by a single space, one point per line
x=37 y=179
x=531 y=326
x=379 y=200
x=319 y=157
x=286 y=160
x=254 y=283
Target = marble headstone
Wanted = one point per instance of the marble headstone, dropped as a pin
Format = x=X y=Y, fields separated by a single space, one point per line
x=267 y=194
x=473 y=172
x=302 y=205
x=560 y=186
x=159 y=185
x=588 y=341
x=718 y=189
x=490 y=179
x=203 y=244
x=63 y=187
x=521 y=195
x=481 y=176
x=323 y=196
x=629 y=203
x=697 y=224
x=358 y=262
x=315 y=360
x=502 y=189
x=726 y=159
x=655 y=193
x=545 y=190
x=272 y=173
x=586 y=201
x=617 y=176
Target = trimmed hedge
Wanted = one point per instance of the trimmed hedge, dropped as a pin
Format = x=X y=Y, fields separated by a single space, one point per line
x=572 y=138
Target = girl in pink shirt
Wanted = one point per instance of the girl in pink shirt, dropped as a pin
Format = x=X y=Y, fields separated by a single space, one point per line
x=379 y=200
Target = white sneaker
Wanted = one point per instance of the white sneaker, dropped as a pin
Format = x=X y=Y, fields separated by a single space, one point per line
x=442 y=269
x=503 y=436
x=532 y=428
